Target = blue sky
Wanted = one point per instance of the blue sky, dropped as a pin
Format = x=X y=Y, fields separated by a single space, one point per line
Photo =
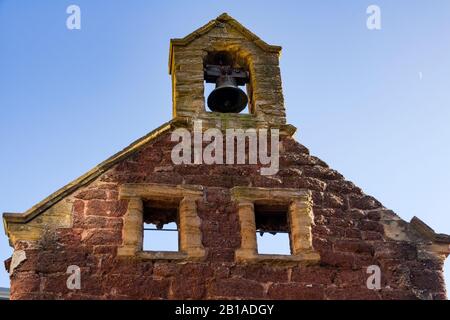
x=373 y=104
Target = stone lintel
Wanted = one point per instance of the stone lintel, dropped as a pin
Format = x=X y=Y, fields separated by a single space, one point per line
x=271 y=195
x=159 y=191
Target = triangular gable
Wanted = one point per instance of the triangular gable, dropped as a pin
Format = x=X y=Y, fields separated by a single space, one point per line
x=223 y=18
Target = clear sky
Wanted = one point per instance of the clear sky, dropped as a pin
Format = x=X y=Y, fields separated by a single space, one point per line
x=374 y=105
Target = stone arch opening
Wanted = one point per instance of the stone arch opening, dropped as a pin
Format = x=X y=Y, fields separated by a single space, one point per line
x=238 y=59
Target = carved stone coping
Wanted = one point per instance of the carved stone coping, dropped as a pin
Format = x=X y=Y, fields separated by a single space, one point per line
x=437 y=243
x=428 y=233
x=190 y=237
x=300 y=216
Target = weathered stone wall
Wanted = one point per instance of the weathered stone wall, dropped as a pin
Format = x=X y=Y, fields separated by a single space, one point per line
x=349 y=235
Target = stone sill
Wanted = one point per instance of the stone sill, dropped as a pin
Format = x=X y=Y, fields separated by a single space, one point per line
x=307 y=258
x=162 y=255
x=171 y=255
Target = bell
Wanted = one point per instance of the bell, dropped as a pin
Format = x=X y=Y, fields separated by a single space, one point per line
x=227 y=97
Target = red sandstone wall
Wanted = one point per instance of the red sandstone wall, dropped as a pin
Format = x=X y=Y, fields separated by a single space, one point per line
x=347 y=235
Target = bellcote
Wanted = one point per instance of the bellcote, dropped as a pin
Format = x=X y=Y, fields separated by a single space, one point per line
x=246 y=54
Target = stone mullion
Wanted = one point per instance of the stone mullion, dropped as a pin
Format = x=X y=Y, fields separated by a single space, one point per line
x=189 y=228
x=301 y=219
x=248 y=248
x=132 y=234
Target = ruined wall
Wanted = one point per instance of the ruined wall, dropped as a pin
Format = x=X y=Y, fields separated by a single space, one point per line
x=349 y=235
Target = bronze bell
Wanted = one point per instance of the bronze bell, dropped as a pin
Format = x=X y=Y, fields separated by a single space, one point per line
x=227 y=97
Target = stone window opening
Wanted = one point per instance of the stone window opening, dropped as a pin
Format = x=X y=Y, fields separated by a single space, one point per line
x=161 y=231
x=272 y=229
x=162 y=206
x=261 y=209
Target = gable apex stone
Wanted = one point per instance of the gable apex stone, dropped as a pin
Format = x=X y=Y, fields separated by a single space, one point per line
x=227 y=19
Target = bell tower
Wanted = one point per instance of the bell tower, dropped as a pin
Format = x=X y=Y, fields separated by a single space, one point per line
x=226 y=53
